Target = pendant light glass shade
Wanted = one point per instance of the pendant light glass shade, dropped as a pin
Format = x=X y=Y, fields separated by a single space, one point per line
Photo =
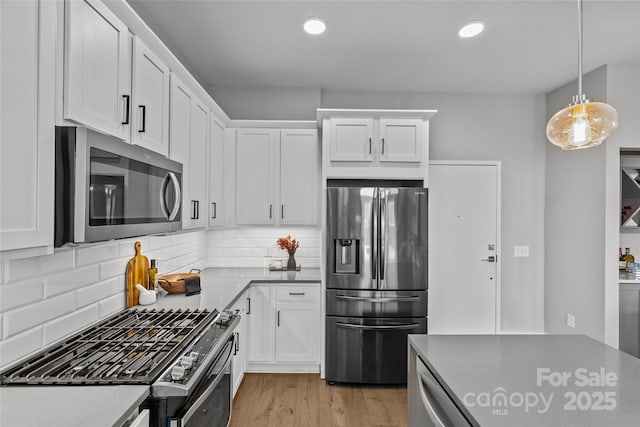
x=582 y=124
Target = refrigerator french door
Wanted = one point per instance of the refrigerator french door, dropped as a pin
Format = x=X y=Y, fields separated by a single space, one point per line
x=376 y=270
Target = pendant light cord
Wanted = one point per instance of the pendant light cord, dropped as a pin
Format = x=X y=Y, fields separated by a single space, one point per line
x=579 y=50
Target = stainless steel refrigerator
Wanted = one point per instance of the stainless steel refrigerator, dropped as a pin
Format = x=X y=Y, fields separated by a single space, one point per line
x=376 y=273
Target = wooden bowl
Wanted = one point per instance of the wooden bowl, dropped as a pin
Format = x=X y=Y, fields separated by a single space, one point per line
x=174 y=283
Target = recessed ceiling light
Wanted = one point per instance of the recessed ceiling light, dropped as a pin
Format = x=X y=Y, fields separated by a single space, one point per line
x=472 y=29
x=314 y=26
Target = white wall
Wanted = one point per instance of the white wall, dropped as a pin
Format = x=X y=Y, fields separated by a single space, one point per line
x=267 y=103
x=45 y=298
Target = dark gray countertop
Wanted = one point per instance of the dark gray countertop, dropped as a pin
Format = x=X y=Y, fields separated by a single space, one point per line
x=476 y=369
x=222 y=286
x=70 y=406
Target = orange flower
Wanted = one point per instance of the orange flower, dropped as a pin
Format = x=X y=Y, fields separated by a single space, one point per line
x=288 y=243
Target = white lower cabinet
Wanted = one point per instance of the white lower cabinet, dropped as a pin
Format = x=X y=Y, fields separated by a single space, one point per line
x=283 y=322
x=239 y=355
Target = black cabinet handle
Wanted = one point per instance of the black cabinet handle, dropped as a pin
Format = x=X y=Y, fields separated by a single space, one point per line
x=369 y=145
x=235 y=349
x=282 y=211
x=382 y=146
x=278 y=317
x=197 y=209
x=127 y=100
x=270 y=211
x=296 y=293
x=144 y=118
x=215 y=210
x=248 y=305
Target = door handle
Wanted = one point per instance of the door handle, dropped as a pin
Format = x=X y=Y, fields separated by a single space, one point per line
x=248 y=305
x=170 y=177
x=373 y=299
x=215 y=210
x=278 y=317
x=369 y=145
x=377 y=327
x=491 y=258
x=382 y=146
x=282 y=211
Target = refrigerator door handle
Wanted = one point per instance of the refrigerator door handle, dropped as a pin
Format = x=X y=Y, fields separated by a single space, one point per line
x=381 y=300
x=374 y=237
x=383 y=236
x=377 y=327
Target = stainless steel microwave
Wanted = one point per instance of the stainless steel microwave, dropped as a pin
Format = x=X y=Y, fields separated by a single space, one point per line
x=107 y=189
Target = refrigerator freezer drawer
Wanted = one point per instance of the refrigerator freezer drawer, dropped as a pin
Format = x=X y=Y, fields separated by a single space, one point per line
x=370 y=350
x=376 y=303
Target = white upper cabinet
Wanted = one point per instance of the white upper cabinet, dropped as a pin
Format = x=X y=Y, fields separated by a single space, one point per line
x=188 y=145
x=198 y=164
x=277 y=176
x=352 y=139
x=97 y=68
x=27 y=72
x=375 y=144
x=299 y=177
x=400 y=140
x=217 y=203
x=150 y=91
x=255 y=176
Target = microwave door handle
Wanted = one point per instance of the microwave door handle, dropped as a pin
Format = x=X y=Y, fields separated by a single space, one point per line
x=178 y=200
x=163 y=196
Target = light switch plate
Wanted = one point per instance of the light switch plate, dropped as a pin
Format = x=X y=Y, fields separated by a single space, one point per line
x=521 y=251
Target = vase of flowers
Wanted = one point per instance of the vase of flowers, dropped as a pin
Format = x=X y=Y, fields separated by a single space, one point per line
x=290 y=245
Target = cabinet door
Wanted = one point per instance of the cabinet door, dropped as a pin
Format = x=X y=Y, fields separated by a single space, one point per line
x=27 y=72
x=239 y=351
x=299 y=160
x=217 y=205
x=198 y=164
x=297 y=332
x=259 y=324
x=401 y=140
x=181 y=99
x=351 y=139
x=150 y=117
x=255 y=176
x=97 y=80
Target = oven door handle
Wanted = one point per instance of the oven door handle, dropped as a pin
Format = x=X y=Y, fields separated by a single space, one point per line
x=217 y=377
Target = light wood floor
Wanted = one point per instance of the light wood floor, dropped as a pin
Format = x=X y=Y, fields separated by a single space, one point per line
x=304 y=400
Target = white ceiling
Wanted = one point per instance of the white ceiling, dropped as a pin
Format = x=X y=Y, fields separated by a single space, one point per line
x=527 y=46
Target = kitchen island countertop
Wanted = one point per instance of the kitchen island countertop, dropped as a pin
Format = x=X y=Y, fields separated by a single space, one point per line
x=221 y=287
x=72 y=406
x=534 y=380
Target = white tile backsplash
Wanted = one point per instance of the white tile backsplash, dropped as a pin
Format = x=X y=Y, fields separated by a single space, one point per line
x=43 y=299
x=256 y=246
x=20 y=293
x=31 y=315
x=65 y=325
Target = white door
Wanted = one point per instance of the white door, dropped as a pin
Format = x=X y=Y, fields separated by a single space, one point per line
x=97 y=84
x=296 y=332
x=150 y=117
x=255 y=176
x=299 y=175
x=463 y=236
x=217 y=204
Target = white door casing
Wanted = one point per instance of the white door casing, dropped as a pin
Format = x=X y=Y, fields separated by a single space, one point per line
x=464 y=220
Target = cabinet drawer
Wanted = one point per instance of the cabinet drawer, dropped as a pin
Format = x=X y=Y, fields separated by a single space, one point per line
x=298 y=293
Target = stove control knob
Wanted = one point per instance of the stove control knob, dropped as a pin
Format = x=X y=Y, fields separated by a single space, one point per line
x=194 y=355
x=186 y=362
x=177 y=373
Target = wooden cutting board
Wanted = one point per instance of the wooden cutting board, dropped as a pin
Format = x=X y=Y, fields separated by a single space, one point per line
x=137 y=272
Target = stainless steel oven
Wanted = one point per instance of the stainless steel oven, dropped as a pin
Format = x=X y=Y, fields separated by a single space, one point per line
x=106 y=189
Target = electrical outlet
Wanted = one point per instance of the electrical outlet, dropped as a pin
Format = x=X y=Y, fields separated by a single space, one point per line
x=521 y=251
x=571 y=320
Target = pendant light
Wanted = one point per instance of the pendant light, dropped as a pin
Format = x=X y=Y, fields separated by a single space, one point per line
x=582 y=124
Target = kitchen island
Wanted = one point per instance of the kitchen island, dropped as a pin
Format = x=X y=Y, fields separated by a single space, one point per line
x=521 y=380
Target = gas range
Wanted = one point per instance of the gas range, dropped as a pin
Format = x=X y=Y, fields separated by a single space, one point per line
x=183 y=355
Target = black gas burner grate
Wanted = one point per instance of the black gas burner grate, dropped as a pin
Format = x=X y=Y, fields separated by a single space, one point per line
x=131 y=347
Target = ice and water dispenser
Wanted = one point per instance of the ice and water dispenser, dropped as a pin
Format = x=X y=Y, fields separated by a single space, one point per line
x=347 y=255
